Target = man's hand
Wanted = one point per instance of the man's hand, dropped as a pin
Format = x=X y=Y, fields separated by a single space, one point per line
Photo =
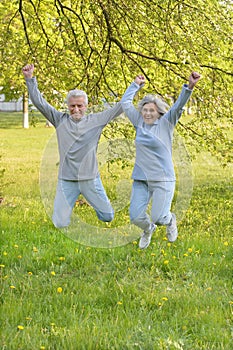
x=140 y=80
x=193 y=79
x=28 y=71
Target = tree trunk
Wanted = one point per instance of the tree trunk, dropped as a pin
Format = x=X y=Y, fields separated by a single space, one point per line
x=25 y=111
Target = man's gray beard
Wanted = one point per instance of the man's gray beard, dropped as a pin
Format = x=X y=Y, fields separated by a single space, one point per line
x=76 y=118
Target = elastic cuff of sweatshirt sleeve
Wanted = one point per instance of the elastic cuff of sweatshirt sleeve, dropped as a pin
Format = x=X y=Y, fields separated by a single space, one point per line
x=138 y=86
x=187 y=87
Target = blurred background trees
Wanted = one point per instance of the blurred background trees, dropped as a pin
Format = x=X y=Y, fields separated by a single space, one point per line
x=99 y=46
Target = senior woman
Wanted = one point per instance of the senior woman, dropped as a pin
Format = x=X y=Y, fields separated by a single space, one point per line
x=153 y=173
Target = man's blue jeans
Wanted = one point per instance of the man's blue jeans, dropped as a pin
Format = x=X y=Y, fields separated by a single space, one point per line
x=69 y=191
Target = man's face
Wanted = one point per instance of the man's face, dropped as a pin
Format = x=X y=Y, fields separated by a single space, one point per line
x=77 y=106
x=150 y=113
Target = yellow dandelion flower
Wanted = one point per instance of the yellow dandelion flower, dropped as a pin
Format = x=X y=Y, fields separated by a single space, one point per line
x=59 y=289
x=211 y=253
x=169 y=244
x=152 y=254
x=185 y=255
x=35 y=250
x=53 y=273
x=52 y=324
x=42 y=347
x=226 y=244
x=16 y=246
x=2 y=265
x=166 y=262
x=173 y=257
x=165 y=299
x=129 y=269
x=135 y=242
x=29 y=273
x=159 y=304
x=190 y=250
x=231 y=302
x=164 y=238
x=20 y=327
x=19 y=256
x=5 y=253
x=62 y=258
x=119 y=303
x=12 y=287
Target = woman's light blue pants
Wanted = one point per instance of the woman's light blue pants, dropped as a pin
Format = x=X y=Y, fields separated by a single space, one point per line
x=161 y=194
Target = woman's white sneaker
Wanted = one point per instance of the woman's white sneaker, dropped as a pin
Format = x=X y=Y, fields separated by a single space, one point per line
x=172 y=232
x=146 y=237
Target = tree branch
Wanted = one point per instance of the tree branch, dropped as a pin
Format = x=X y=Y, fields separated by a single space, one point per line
x=216 y=68
x=24 y=24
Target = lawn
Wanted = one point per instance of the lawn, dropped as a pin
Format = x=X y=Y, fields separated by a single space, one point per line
x=91 y=287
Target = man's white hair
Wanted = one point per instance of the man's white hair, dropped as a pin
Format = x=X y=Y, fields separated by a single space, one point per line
x=162 y=106
x=77 y=93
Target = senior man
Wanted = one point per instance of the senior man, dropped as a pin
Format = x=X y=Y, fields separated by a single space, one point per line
x=78 y=135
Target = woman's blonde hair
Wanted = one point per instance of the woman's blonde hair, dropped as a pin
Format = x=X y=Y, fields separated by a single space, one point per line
x=161 y=105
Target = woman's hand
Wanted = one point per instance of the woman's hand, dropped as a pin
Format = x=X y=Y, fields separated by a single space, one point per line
x=193 y=79
x=140 y=80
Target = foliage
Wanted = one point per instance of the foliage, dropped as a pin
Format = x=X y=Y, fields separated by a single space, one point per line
x=100 y=45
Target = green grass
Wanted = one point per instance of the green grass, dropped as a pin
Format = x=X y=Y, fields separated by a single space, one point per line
x=170 y=296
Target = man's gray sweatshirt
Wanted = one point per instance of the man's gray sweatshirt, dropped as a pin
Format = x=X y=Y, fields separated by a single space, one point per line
x=77 y=140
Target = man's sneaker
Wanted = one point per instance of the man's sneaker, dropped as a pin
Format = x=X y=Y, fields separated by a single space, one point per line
x=172 y=232
x=146 y=237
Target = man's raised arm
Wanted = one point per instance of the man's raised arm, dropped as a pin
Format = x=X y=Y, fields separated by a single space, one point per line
x=48 y=111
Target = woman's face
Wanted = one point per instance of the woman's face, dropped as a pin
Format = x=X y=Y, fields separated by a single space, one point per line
x=150 y=113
